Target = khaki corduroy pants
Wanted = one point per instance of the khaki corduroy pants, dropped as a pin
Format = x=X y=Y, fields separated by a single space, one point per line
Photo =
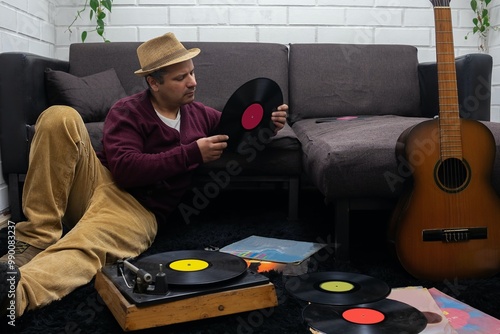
x=66 y=183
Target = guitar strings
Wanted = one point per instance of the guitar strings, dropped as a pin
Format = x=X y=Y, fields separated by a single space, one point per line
x=452 y=173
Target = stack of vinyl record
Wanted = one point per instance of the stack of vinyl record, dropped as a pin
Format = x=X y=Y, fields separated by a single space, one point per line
x=340 y=302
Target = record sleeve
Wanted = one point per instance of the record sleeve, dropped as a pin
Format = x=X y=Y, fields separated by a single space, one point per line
x=464 y=318
x=273 y=249
x=421 y=299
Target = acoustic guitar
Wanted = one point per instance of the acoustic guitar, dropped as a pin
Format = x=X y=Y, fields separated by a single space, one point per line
x=448 y=224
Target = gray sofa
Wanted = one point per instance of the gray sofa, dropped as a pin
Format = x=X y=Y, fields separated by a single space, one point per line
x=348 y=105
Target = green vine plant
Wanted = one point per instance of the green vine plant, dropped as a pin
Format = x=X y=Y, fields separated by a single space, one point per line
x=481 y=22
x=97 y=12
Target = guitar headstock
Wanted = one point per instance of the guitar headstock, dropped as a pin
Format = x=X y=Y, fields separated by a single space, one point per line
x=441 y=3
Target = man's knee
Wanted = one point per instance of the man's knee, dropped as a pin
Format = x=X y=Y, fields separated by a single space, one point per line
x=58 y=115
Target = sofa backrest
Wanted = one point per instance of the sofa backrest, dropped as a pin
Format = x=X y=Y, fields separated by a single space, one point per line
x=91 y=58
x=332 y=80
x=220 y=68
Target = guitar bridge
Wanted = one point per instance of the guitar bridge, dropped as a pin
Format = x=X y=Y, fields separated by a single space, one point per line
x=455 y=235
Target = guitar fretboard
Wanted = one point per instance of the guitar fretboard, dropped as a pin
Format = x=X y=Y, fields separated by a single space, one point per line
x=449 y=115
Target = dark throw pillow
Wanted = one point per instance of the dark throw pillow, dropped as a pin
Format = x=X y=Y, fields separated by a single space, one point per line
x=92 y=96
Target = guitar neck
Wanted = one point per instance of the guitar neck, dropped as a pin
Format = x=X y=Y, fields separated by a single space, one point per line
x=449 y=115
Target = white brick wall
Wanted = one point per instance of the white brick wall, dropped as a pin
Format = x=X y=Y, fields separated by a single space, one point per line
x=40 y=26
x=27 y=25
x=281 y=21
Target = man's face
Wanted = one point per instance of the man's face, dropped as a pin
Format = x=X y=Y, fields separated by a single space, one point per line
x=178 y=85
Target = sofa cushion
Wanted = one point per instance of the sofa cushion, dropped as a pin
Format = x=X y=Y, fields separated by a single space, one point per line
x=354 y=158
x=91 y=96
x=329 y=80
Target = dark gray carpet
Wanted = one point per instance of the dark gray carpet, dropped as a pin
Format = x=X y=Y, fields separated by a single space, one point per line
x=231 y=217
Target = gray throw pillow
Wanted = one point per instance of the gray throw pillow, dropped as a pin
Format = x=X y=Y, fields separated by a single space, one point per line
x=92 y=96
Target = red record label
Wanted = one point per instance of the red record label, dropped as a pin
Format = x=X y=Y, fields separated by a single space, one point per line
x=252 y=116
x=363 y=316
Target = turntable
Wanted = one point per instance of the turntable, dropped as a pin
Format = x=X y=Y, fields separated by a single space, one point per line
x=181 y=286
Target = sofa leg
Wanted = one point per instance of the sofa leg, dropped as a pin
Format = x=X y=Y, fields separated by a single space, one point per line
x=293 y=199
x=341 y=224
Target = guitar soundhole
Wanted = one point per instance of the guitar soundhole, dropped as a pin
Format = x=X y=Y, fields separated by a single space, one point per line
x=452 y=175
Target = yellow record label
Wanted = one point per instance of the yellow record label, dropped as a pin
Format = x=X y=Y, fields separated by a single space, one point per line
x=336 y=286
x=189 y=265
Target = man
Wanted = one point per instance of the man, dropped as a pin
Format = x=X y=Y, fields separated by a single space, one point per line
x=113 y=201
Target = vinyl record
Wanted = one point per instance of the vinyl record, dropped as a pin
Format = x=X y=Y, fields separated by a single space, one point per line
x=194 y=267
x=337 y=288
x=381 y=317
x=247 y=114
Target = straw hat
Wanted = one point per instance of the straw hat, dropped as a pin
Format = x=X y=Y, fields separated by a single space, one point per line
x=162 y=51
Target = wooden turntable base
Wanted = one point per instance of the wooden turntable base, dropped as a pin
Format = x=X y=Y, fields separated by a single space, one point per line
x=131 y=317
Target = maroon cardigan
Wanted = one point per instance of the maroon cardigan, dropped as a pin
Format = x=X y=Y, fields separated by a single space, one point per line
x=150 y=159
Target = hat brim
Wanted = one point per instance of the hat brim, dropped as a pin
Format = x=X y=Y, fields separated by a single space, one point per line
x=191 y=53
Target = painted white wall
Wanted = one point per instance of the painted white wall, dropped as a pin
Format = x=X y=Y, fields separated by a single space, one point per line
x=41 y=26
